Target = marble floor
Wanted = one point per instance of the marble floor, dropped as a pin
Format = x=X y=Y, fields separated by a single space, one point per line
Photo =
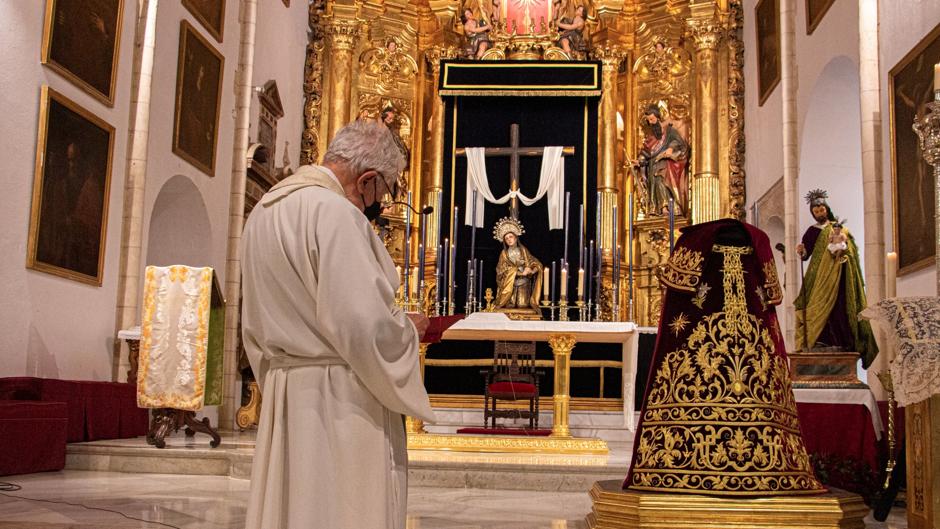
x=75 y=499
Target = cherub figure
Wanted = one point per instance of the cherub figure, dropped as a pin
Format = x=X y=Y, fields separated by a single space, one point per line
x=838 y=241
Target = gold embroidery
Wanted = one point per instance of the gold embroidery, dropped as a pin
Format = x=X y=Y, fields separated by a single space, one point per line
x=772 y=289
x=699 y=299
x=679 y=323
x=720 y=417
x=684 y=270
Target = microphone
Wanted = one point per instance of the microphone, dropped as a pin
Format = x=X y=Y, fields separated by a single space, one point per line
x=426 y=210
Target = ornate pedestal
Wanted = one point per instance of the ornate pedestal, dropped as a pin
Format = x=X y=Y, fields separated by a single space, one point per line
x=824 y=369
x=922 y=421
x=249 y=414
x=627 y=509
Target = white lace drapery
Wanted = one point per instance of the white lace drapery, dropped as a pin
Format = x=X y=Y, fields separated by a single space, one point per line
x=913 y=329
x=551 y=185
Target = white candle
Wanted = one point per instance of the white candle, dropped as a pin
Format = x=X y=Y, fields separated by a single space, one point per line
x=580 y=283
x=564 y=282
x=891 y=275
x=414 y=282
x=936 y=76
x=545 y=282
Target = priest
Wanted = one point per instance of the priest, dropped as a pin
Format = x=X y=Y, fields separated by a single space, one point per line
x=336 y=359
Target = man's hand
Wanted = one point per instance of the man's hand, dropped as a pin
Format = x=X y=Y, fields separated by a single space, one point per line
x=801 y=250
x=420 y=321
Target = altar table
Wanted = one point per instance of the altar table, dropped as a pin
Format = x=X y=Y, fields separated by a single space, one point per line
x=841 y=422
x=561 y=337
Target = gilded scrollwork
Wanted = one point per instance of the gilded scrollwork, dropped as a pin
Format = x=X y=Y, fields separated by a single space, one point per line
x=313 y=85
x=683 y=271
x=388 y=66
x=736 y=109
x=720 y=416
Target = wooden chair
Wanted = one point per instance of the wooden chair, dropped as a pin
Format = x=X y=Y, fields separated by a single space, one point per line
x=513 y=377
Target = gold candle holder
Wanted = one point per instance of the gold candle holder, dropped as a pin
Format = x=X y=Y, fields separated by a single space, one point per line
x=563 y=309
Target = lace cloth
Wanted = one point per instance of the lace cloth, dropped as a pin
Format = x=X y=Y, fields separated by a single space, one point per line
x=913 y=329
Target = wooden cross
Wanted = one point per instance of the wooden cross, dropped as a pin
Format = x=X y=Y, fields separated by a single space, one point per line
x=514 y=152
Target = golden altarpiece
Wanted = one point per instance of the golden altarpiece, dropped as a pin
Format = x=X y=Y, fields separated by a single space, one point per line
x=371 y=59
x=684 y=57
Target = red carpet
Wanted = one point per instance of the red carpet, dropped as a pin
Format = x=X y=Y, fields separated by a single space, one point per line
x=506 y=431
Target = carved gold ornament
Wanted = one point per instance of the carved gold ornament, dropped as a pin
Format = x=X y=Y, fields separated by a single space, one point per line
x=684 y=270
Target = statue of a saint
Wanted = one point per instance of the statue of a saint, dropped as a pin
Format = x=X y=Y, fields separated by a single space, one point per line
x=571 y=32
x=518 y=272
x=477 y=33
x=389 y=118
x=833 y=291
x=663 y=165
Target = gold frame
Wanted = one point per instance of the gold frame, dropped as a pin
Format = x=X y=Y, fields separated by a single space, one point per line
x=46 y=58
x=811 y=25
x=903 y=63
x=209 y=170
x=215 y=32
x=772 y=85
x=46 y=98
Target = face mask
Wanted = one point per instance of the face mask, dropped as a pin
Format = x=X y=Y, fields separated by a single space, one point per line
x=373 y=210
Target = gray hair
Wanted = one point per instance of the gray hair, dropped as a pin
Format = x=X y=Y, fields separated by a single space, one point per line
x=365 y=145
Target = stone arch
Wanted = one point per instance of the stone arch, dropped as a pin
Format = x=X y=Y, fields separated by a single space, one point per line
x=180 y=231
x=831 y=146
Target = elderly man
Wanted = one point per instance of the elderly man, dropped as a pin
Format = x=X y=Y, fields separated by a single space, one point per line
x=336 y=359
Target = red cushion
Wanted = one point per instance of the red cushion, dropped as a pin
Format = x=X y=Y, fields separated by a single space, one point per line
x=512 y=389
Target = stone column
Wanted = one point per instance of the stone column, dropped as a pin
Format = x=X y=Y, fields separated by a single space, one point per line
x=791 y=195
x=342 y=37
x=706 y=184
x=236 y=213
x=128 y=308
x=609 y=187
x=872 y=178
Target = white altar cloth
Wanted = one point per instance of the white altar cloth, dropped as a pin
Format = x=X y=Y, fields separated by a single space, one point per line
x=497 y=326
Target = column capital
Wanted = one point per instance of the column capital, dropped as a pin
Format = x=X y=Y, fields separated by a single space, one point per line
x=435 y=54
x=610 y=55
x=706 y=33
x=342 y=33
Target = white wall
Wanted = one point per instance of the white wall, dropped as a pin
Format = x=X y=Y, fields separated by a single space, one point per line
x=903 y=25
x=52 y=327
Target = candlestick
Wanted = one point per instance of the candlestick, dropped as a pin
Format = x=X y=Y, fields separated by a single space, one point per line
x=567 y=205
x=581 y=236
x=672 y=224
x=473 y=227
x=891 y=275
x=545 y=282
x=564 y=282
x=479 y=291
x=552 y=297
x=581 y=283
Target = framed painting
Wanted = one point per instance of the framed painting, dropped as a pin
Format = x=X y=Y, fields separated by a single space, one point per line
x=911 y=88
x=209 y=13
x=815 y=11
x=768 y=47
x=69 y=215
x=198 y=95
x=81 y=41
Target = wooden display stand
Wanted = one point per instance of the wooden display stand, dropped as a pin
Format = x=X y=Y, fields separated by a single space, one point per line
x=825 y=369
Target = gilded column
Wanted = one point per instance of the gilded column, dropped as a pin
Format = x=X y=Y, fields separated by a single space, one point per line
x=562 y=345
x=706 y=184
x=609 y=187
x=342 y=36
x=434 y=182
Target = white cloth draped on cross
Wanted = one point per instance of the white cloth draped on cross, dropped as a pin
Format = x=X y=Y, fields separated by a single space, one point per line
x=551 y=185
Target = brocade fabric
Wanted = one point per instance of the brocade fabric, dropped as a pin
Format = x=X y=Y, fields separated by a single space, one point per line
x=719 y=416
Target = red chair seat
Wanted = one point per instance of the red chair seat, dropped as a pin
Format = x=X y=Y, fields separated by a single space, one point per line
x=510 y=390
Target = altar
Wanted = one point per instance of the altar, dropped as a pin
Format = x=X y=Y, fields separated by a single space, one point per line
x=562 y=337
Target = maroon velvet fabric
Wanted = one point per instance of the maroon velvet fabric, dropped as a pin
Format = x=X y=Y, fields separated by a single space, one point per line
x=95 y=410
x=438 y=325
x=508 y=390
x=843 y=430
x=32 y=436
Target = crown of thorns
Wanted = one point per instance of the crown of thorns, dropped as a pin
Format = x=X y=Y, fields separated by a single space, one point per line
x=507 y=225
x=816 y=197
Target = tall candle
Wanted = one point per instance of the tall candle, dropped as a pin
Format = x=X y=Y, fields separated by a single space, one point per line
x=552 y=297
x=580 y=283
x=590 y=284
x=421 y=261
x=407 y=248
x=936 y=76
x=891 y=275
x=564 y=282
x=473 y=227
x=450 y=283
x=416 y=286
x=564 y=260
x=470 y=281
x=438 y=278
x=442 y=286
x=545 y=282
x=581 y=236
x=479 y=280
